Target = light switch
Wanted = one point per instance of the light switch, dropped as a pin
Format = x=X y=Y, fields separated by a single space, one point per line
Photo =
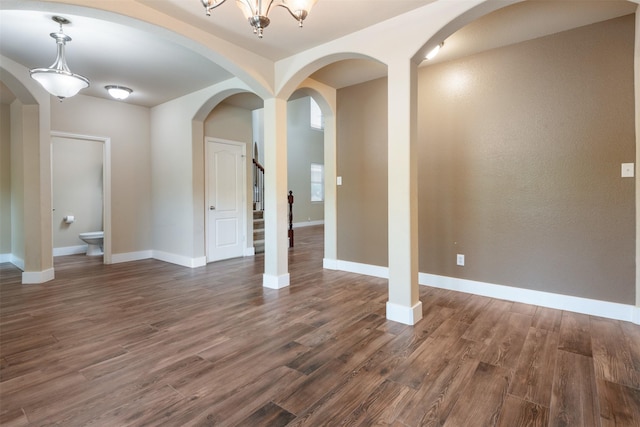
x=628 y=170
x=339 y=180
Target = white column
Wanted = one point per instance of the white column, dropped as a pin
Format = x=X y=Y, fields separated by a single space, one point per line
x=276 y=265
x=404 y=305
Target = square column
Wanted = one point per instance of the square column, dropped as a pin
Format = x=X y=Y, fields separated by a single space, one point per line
x=404 y=305
x=276 y=263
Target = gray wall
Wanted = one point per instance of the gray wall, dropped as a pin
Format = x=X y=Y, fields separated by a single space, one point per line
x=305 y=145
x=519 y=165
x=77 y=167
x=5 y=179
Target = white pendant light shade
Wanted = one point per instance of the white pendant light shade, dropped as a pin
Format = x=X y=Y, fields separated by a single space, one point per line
x=58 y=80
x=59 y=83
x=299 y=8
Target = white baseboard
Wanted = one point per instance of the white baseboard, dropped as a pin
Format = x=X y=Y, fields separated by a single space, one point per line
x=366 y=269
x=131 y=256
x=402 y=314
x=329 y=264
x=592 y=307
x=307 y=223
x=275 y=282
x=70 y=250
x=5 y=258
x=610 y=310
x=34 y=277
x=249 y=251
x=180 y=259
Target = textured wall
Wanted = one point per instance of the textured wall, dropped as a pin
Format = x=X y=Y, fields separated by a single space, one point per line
x=519 y=169
x=361 y=123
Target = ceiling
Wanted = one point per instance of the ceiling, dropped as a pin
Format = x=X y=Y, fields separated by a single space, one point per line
x=155 y=66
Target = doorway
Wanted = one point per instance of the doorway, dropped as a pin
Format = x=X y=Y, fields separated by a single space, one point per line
x=226 y=199
x=69 y=217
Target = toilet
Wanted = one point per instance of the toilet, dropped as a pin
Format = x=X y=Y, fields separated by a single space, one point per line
x=94 y=241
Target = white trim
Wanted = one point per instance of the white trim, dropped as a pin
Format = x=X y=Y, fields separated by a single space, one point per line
x=250 y=251
x=610 y=310
x=106 y=184
x=131 y=256
x=18 y=262
x=275 y=282
x=329 y=264
x=180 y=259
x=70 y=250
x=402 y=314
x=366 y=269
x=35 y=277
x=5 y=258
x=308 y=223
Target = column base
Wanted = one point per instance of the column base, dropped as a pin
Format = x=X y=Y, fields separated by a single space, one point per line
x=403 y=314
x=275 y=282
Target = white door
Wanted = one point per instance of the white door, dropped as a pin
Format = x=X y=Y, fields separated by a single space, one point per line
x=225 y=200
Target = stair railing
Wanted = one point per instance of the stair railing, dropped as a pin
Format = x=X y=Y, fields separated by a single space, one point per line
x=258 y=186
x=290 y=200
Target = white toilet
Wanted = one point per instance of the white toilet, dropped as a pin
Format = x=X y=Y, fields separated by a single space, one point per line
x=94 y=241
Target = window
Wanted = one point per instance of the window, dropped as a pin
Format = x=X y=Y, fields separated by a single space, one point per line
x=316 y=119
x=317 y=182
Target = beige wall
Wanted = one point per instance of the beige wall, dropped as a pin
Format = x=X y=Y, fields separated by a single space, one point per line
x=77 y=189
x=519 y=165
x=5 y=179
x=128 y=128
x=361 y=123
x=17 y=184
x=304 y=146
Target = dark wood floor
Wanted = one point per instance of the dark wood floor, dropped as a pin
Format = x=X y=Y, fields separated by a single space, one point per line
x=151 y=343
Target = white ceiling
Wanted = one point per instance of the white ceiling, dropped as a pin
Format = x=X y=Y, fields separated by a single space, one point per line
x=158 y=69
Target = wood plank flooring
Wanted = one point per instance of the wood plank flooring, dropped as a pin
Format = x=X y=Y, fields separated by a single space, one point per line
x=148 y=343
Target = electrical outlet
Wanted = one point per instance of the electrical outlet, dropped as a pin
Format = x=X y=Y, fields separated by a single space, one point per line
x=460 y=259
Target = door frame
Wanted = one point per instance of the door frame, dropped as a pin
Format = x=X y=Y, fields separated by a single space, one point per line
x=106 y=184
x=207 y=171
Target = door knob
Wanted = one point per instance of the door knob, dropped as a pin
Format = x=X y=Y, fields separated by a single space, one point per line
x=212 y=208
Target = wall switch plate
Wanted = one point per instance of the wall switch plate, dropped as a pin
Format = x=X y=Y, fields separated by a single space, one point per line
x=339 y=180
x=460 y=259
x=628 y=170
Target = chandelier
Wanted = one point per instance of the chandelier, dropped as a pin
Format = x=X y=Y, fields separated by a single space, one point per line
x=257 y=11
x=58 y=80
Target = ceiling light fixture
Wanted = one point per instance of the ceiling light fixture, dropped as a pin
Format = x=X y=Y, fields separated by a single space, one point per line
x=257 y=11
x=118 y=92
x=433 y=52
x=57 y=79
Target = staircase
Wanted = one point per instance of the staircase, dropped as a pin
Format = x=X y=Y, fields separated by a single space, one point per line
x=258 y=231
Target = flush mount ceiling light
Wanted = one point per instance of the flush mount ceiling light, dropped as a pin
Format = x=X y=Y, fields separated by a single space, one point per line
x=57 y=79
x=118 y=92
x=433 y=52
x=257 y=11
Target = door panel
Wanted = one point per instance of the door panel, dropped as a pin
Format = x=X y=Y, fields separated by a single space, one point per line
x=225 y=200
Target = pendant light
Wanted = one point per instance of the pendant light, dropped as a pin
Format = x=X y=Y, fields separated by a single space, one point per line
x=58 y=80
